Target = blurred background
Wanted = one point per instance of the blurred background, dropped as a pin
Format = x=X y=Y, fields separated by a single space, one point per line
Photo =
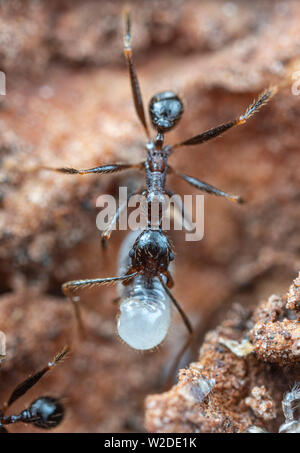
x=68 y=103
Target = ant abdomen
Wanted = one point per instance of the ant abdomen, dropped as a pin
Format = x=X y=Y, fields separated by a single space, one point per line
x=145 y=308
x=165 y=110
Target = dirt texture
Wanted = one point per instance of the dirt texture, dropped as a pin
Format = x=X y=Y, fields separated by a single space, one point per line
x=248 y=387
x=68 y=103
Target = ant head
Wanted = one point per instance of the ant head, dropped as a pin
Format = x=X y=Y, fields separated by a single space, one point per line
x=151 y=250
x=165 y=110
x=46 y=412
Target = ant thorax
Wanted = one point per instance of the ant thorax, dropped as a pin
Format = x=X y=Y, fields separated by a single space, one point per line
x=156 y=167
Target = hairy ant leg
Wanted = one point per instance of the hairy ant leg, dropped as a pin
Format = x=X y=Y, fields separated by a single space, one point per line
x=201 y=185
x=105 y=235
x=103 y=169
x=72 y=286
x=264 y=97
x=189 y=339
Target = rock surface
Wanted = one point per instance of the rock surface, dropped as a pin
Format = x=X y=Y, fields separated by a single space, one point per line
x=248 y=388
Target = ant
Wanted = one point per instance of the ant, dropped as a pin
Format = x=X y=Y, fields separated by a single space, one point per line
x=148 y=274
x=45 y=412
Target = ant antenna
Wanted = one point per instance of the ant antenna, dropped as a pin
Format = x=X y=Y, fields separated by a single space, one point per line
x=135 y=87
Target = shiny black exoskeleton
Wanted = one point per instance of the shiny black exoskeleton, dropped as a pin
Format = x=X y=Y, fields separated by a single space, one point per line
x=165 y=110
x=45 y=412
x=151 y=253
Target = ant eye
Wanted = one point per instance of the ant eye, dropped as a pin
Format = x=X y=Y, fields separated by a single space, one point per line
x=171 y=256
x=165 y=110
x=131 y=253
x=46 y=412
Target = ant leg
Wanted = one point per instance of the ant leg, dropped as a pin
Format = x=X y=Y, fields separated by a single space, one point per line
x=105 y=235
x=170 y=281
x=103 y=169
x=182 y=314
x=135 y=87
x=70 y=287
x=189 y=339
x=180 y=213
x=26 y=385
x=201 y=185
x=264 y=97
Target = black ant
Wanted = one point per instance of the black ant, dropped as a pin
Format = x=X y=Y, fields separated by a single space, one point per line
x=151 y=253
x=45 y=412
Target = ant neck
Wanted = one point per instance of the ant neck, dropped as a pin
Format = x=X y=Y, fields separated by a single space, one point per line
x=159 y=141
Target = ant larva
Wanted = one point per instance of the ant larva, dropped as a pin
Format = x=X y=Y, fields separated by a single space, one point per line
x=145 y=297
x=45 y=412
x=145 y=309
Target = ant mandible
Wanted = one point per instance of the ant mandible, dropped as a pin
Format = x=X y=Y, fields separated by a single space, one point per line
x=45 y=412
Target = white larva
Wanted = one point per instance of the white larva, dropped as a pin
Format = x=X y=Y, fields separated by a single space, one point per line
x=145 y=308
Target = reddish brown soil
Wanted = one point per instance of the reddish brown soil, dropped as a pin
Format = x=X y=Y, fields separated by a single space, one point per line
x=68 y=103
